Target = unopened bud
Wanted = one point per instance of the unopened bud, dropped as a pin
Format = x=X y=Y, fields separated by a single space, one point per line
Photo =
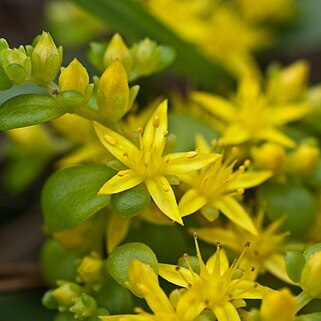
x=90 y=269
x=66 y=293
x=46 y=59
x=84 y=306
x=304 y=159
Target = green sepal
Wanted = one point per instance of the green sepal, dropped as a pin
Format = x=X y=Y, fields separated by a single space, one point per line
x=294 y=262
x=310 y=250
x=119 y=260
x=29 y=109
x=5 y=82
x=293 y=200
x=69 y=196
x=64 y=316
x=16 y=73
x=71 y=99
x=49 y=301
x=131 y=202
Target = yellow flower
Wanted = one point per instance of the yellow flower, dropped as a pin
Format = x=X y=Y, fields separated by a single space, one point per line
x=148 y=164
x=143 y=282
x=251 y=117
x=278 y=306
x=219 y=287
x=266 y=251
x=214 y=187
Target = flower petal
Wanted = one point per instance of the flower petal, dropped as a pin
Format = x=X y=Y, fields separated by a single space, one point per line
x=226 y=312
x=185 y=162
x=224 y=263
x=122 y=181
x=236 y=213
x=127 y=317
x=250 y=179
x=116 y=231
x=276 y=266
x=246 y=289
x=189 y=306
x=164 y=197
x=182 y=277
x=143 y=281
x=279 y=115
x=156 y=128
x=190 y=202
x=214 y=104
x=119 y=146
x=235 y=134
x=274 y=135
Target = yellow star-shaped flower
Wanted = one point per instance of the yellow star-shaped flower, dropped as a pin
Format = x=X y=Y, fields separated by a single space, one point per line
x=148 y=164
x=219 y=287
x=252 y=117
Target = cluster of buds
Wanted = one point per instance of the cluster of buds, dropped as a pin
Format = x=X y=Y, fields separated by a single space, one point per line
x=39 y=64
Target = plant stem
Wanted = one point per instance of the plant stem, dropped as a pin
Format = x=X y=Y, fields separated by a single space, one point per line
x=302 y=300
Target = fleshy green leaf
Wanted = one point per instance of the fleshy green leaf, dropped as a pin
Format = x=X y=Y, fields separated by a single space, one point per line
x=291 y=199
x=119 y=260
x=69 y=197
x=295 y=262
x=5 y=82
x=29 y=109
x=131 y=202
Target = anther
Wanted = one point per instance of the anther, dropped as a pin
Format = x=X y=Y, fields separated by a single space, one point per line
x=177 y=268
x=156 y=122
x=195 y=235
x=247 y=163
x=165 y=133
x=217 y=244
x=240 y=190
x=235 y=150
x=247 y=244
x=110 y=140
x=252 y=268
x=185 y=256
x=121 y=173
x=192 y=154
x=125 y=154
x=242 y=168
x=55 y=92
x=139 y=130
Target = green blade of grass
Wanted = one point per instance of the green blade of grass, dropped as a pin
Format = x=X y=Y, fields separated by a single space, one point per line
x=130 y=19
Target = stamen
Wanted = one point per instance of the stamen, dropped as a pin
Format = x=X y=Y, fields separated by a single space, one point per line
x=165 y=188
x=165 y=133
x=156 y=122
x=186 y=258
x=240 y=191
x=192 y=154
x=247 y=163
x=110 y=140
x=242 y=168
x=178 y=269
x=140 y=136
x=199 y=256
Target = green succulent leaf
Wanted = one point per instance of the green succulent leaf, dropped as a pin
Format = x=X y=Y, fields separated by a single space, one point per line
x=29 y=109
x=119 y=260
x=131 y=202
x=69 y=197
x=295 y=262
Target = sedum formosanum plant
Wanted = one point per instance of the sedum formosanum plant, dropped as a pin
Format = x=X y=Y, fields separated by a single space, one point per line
x=121 y=179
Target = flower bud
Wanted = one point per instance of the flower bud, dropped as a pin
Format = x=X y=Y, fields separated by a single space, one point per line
x=310 y=277
x=46 y=59
x=17 y=65
x=66 y=293
x=90 y=269
x=278 y=306
x=114 y=98
x=84 y=306
x=269 y=156
x=117 y=49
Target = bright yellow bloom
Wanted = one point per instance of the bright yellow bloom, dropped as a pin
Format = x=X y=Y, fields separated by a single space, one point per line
x=143 y=282
x=219 y=287
x=251 y=117
x=266 y=252
x=148 y=164
x=214 y=188
x=278 y=306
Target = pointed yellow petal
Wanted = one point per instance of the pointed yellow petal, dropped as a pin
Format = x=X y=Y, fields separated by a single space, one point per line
x=191 y=202
x=127 y=317
x=224 y=263
x=182 y=277
x=276 y=266
x=122 y=181
x=236 y=213
x=143 y=281
x=246 y=289
x=164 y=197
x=250 y=179
x=226 y=312
x=279 y=115
x=202 y=145
x=189 y=306
x=119 y=146
x=117 y=229
x=235 y=134
x=156 y=128
x=274 y=135
x=214 y=104
x=185 y=162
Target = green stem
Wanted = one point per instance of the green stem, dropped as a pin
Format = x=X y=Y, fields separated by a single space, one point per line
x=302 y=300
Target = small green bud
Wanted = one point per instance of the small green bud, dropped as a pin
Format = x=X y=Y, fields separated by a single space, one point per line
x=101 y=312
x=295 y=262
x=175 y=296
x=90 y=269
x=117 y=49
x=49 y=301
x=186 y=260
x=83 y=306
x=46 y=59
x=310 y=277
x=114 y=98
x=206 y=315
x=66 y=293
